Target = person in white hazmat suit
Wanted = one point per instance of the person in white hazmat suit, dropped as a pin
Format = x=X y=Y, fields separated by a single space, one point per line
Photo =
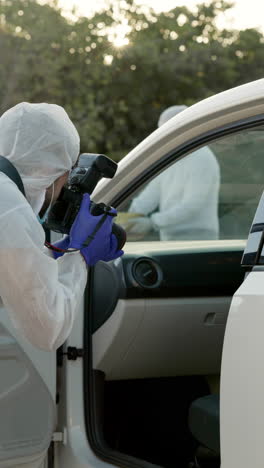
x=182 y=202
x=39 y=290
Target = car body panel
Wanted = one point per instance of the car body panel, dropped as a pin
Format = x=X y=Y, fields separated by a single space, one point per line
x=75 y=451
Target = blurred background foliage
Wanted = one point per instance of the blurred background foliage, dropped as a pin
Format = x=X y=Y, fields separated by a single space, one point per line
x=115 y=92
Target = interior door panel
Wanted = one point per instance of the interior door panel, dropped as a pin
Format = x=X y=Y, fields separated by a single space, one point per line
x=165 y=337
x=175 y=325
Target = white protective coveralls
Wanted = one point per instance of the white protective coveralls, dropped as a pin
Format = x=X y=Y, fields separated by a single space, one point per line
x=182 y=202
x=40 y=293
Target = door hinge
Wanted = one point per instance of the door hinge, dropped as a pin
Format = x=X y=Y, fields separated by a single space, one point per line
x=72 y=354
x=60 y=437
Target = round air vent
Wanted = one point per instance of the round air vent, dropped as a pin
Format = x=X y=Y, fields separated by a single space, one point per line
x=147 y=273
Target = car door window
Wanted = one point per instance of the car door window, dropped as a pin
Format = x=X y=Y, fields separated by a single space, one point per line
x=210 y=194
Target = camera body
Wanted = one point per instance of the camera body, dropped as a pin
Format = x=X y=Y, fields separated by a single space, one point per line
x=83 y=179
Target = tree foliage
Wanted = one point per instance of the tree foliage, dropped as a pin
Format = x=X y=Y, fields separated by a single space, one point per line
x=115 y=94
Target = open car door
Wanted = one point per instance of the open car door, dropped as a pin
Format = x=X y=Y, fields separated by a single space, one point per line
x=27 y=399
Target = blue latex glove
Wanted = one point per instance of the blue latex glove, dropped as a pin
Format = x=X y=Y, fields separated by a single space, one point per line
x=61 y=244
x=85 y=223
x=103 y=246
x=107 y=252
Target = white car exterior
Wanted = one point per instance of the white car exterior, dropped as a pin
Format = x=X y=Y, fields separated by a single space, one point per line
x=28 y=376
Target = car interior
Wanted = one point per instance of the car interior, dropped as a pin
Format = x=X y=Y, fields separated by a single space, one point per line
x=157 y=320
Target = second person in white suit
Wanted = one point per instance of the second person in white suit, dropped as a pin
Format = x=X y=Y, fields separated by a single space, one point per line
x=182 y=202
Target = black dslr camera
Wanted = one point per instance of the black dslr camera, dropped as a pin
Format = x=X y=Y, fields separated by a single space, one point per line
x=83 y=179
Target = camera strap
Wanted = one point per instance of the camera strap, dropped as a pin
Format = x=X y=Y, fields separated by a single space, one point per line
x=9 y=169
x=97 y=227
x=86 y=242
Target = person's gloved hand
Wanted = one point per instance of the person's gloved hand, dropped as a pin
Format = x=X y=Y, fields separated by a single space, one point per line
x=106 y=252
x=140 y=225
x=61 y=244
x=103 y=246
x=85 y=224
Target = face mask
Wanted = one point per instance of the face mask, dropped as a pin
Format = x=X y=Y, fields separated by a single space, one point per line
x=44 y=217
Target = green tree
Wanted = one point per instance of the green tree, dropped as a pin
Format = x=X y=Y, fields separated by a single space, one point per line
x=115 y=94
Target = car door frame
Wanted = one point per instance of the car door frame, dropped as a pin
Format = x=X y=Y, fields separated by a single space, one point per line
x=182 y=151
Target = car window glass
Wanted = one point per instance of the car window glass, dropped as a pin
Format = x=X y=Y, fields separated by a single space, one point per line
x=210 y=194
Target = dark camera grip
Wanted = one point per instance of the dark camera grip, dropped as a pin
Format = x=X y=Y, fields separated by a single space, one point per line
x=120 y=234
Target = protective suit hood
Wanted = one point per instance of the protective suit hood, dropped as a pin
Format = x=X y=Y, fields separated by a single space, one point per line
x=42 y=143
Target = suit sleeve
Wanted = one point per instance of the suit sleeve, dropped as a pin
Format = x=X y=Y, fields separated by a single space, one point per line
x=40 y=293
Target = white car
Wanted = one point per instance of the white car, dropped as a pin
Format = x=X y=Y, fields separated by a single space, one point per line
x=137 y=383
